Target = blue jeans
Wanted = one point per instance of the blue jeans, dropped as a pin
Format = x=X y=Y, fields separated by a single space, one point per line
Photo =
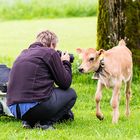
x=60 y=102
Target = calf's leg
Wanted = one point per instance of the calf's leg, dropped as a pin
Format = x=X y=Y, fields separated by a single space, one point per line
x=115 y=103
x=98 y=97
x=128 y=94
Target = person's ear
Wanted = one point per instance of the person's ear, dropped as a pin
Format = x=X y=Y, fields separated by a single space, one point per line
x=53 y=45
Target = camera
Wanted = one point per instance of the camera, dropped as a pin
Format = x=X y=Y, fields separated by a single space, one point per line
x=71 y=55
x=3 y=87
x=4 y=76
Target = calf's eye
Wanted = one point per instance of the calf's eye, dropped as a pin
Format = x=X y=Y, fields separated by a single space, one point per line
x=91 y=59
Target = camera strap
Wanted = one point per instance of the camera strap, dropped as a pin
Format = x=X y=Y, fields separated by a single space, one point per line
x=18 y=111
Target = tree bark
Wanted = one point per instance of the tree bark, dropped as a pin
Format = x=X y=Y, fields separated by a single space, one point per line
x=119 y=19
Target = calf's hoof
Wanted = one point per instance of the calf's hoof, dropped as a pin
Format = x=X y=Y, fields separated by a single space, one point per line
x=100 y=117
x=114 y=121
x=127 y=113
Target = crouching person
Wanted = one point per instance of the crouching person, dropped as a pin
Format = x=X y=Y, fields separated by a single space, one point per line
x=32 y=95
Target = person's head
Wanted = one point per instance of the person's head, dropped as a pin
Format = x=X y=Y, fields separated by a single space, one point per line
x=48 y=39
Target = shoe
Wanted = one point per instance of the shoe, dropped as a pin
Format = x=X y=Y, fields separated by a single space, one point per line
x=44 y=126
x=67 y=117
x=26 y=125
x=70 y=115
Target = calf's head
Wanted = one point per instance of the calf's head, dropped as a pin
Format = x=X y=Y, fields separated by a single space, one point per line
x=90 y=59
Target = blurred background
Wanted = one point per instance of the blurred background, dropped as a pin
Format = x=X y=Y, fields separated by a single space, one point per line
x=74 y=22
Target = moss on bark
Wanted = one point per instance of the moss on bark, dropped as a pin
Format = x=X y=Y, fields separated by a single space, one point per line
x=119 y=19
x=102 y=26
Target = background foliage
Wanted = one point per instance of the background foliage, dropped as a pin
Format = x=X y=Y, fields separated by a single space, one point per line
x=33 y=9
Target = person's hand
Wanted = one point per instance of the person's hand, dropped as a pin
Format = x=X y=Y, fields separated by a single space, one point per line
x=65 y=56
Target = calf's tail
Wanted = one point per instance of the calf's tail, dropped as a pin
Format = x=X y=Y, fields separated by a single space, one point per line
x=122 y=43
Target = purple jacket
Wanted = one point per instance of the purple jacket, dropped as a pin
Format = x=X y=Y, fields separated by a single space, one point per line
x=34 y=73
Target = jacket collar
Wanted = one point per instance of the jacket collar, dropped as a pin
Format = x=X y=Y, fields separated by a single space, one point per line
x=36 y=44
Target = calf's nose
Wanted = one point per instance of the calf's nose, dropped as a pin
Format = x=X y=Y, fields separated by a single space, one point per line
x=81 y=70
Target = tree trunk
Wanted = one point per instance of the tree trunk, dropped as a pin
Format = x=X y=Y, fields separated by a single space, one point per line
x=119 y=19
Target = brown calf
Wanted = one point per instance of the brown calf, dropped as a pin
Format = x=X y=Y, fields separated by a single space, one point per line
x=111 y=67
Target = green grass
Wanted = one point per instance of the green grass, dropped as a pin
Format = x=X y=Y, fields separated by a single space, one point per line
x=33 y=9
x=73 y=33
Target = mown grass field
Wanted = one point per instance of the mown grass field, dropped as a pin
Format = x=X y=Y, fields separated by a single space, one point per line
x=72 y=33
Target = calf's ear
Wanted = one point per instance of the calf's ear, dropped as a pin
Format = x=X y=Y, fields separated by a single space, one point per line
x=79 y=50
x=101 y=51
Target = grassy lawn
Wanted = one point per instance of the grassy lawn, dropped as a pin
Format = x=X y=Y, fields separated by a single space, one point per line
x=72 y=33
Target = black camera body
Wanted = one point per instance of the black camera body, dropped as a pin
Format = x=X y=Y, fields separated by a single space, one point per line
x=71 y=56
x=3 y=87
x=4 y=76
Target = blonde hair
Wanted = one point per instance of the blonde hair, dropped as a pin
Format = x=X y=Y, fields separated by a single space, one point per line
x=47 y=38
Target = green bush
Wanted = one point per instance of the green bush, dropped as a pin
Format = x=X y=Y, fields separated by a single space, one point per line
x=32 y=9
x=6 y=60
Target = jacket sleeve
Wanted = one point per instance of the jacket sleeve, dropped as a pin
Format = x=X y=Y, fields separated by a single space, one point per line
x=61 y=71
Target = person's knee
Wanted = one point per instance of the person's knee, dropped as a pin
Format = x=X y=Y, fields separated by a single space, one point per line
x=73 y=94
x=70 y=93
